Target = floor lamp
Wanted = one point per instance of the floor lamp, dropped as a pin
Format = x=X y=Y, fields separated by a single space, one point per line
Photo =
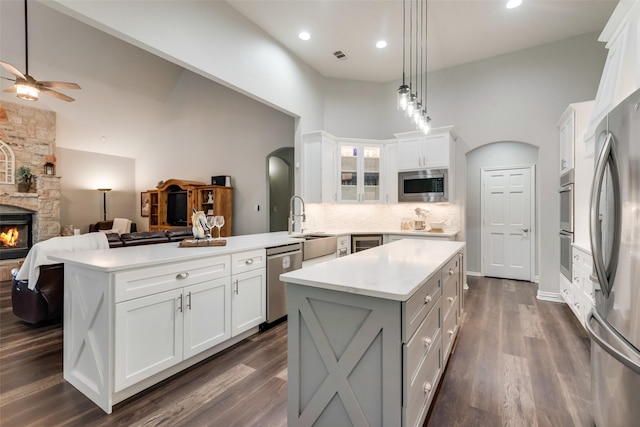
x=104 y=202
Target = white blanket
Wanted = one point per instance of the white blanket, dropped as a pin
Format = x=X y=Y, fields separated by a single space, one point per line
x=39 y=254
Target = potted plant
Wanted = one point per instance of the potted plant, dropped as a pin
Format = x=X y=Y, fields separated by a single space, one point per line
x=24 y=178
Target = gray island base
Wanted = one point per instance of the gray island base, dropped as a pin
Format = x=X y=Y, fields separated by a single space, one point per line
x=370 y=334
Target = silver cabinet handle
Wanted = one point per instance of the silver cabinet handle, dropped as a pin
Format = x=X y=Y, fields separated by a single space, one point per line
x=181 y=276
x=427 y=299
x=180 y=303
x=450 y=332
x=526 y=230
x=189 y=300
x=450 y=299
x=235 y=284
x=427 y=342
x=249 y=261
x=427 y=387
x=450 y=272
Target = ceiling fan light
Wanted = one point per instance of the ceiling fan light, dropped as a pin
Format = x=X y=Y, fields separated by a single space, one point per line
x=27 y=92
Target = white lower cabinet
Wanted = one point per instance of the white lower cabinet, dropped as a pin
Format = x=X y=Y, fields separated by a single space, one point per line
x=248 y=300
x=249 y=288
x=158 y=331
x=130 y=329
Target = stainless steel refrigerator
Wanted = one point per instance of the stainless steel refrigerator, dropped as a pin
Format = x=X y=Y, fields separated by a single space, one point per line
x=614 y=322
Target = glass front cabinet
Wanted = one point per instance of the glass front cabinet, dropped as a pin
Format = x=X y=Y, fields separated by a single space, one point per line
x=359 y=173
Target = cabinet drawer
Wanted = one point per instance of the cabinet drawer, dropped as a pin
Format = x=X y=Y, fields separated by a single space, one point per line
x=422 y=342
x=150 y=280
x=248 y=261
x=415 y=309
x=582 y=259
x=421 y=390
x=449 y=330
x=449 y=295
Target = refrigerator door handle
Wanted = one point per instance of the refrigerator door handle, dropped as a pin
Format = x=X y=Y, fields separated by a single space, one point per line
x=605 y=273
x=631 y=360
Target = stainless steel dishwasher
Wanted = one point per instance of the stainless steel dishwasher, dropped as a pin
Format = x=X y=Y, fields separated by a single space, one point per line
x=280 y=259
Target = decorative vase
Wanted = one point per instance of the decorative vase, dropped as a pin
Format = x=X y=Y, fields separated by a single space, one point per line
x=24 y=185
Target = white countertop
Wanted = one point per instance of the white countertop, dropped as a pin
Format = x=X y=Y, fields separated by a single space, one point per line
x=445 y=233
x=394 y=271
x=125 y=258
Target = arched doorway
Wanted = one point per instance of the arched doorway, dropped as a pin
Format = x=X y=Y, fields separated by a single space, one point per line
x=281 y=187
x=497 y=155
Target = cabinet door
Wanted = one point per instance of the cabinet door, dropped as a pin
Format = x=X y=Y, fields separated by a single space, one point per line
x=207 y=315
x=248 y=300
x=410 y=155
x=148 y=336
x=436 y=151
x=567 y=137
x=349 y=176
x=360 y=173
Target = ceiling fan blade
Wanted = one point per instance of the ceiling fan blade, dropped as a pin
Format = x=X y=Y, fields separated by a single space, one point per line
x=11 y=89
x=13 y=70
x=7 y=78
x=56 y=94
x=65 y=85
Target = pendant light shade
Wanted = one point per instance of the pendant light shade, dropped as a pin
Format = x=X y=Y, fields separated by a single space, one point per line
x=403 y=97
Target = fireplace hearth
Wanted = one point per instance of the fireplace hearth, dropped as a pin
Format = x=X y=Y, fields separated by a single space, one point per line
x=15 y=235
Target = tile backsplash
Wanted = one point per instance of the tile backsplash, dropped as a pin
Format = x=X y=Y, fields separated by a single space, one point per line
x=364 y=217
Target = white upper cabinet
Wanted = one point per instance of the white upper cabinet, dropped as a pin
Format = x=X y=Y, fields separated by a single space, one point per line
x=319 y=165
x=566 y=127
x=348 y=170
x=360 y=173
x=432 y=151
x=621 y=73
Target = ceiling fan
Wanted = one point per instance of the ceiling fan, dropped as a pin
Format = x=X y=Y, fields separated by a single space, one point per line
x=26 y=86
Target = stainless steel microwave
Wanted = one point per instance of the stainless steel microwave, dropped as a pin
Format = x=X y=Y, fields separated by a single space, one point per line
x=426 y=185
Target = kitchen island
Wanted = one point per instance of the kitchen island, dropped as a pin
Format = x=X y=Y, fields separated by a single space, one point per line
x=370 y=334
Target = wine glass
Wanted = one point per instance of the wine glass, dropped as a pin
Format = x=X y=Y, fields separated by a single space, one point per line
x=219 y=222
x=211 y=222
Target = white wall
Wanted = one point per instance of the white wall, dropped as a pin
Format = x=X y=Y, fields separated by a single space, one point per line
x=135 y=105
x=82 y=173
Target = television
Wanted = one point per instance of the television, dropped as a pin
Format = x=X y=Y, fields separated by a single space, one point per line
x=177 y=208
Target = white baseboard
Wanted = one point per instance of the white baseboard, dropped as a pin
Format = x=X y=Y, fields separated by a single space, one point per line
x=549 y=296
x=474 y=274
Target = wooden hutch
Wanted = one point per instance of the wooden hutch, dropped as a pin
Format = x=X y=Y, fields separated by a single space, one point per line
x=184 y=196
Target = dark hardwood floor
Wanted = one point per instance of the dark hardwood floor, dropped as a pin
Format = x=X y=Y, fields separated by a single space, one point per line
x=518 y=361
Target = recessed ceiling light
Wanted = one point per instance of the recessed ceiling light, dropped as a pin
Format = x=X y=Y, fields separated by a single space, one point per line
x=304 y=35
x=512 y=4
x=381 y=44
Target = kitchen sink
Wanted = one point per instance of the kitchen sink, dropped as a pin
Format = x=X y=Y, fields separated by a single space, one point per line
x=317 y=245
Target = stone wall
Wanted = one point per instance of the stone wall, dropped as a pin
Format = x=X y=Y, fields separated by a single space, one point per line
x=31 y=134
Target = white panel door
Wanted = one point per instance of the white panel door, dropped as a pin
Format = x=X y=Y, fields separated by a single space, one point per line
x=207 y=315
x=507 y=219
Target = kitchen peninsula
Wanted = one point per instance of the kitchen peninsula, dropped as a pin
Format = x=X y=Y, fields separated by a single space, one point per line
x=370 y=334
x=134 y=316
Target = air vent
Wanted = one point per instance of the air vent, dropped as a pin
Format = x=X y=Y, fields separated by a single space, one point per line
x=340 y=55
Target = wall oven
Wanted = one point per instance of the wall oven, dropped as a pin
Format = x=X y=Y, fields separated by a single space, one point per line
x=566 y=224
x=427 y=185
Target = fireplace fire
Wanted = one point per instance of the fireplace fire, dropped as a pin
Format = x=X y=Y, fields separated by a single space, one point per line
x=15 y=235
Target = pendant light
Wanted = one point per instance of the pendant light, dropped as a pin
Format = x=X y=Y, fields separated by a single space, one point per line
x=403 y=90
x=413 y=99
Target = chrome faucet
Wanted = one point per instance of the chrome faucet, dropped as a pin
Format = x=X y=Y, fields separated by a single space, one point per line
x=293 y=215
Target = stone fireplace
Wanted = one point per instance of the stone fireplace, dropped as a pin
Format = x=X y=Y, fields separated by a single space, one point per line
x=28 y=134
